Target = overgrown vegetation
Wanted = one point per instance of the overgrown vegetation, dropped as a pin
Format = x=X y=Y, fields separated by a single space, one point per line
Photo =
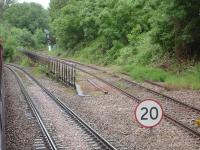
x=167 y=26
x=148 y=38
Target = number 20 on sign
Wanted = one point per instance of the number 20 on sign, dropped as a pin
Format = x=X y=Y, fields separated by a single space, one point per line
x=149 y=113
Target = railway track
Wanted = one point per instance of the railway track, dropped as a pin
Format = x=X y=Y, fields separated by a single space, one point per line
x=50 y=142
x=179 y=113
x=91 y=137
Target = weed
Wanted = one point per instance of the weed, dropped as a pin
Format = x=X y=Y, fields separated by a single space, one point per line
x=39 y=69
x=145 y=73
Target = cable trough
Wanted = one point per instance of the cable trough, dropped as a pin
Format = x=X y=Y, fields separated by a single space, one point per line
x=93 y=138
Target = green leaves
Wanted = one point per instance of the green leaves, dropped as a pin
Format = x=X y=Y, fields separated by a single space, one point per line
x=22 y=27
x=27 y=15
x=169 y=26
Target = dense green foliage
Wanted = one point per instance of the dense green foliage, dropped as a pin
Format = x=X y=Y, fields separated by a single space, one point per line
x=22 y=26
x=142 y=36
x=4 y=4
x=27 y=15
x=146 y=36
x=56 y=5
x=144 y=29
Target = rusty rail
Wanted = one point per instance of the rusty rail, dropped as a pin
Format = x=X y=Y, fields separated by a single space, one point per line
x=168 y=117
x=97 y=87
x=60 y=70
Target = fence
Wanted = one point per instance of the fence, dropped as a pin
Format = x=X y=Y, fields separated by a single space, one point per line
x=60 y=70
x=2 y=111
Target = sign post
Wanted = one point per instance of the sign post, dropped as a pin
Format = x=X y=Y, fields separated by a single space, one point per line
x=149 y=114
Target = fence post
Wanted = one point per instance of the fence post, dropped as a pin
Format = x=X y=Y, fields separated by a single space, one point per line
x=54 y=68
x=64 y=73
x=57 y=70
x=74 y=76
x=67 y=74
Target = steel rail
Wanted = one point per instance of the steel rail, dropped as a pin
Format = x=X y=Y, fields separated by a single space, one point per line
x=148 y=89
x=97 y=136
x=168 y=117
x=97 y=87
x=163 y=95
x=34 y=110
x=195 y=132
x=156 y=84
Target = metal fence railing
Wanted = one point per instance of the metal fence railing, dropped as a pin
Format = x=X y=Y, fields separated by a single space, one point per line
x=60 y=70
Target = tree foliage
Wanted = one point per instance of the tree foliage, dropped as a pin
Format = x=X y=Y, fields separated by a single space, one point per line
x=23 y=26
x=5 y=4
x=130 y=27
x=27 y=15
x=55 y=7
x=178 y=30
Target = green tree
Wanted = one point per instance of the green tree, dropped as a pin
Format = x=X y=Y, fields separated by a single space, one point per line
x=39 y=38
x=149 y=27
x=5 y=4
x=27 y=15
x=55 y=7
x=178 y=32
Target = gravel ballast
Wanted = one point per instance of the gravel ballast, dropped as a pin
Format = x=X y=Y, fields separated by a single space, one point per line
x=21 y=127
x=63 y=128
x=112 y=116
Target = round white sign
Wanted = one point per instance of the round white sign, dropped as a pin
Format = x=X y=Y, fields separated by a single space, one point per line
x=149 y=113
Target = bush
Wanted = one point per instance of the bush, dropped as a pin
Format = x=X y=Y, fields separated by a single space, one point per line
x=39 y=38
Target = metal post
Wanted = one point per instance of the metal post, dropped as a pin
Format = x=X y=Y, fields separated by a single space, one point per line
x=70 y=75
x=74 y=76
x=52 y=67
x=64 y=73
x=67 y=74
x=55 y=69
x=58 y=70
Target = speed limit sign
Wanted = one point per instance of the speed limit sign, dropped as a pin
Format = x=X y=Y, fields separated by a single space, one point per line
x=149 y=113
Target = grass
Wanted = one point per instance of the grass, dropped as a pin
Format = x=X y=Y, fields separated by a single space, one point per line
x=38 y=70
x=140 y=73
x=137 y=64
x=25 y=62
x=189 y=79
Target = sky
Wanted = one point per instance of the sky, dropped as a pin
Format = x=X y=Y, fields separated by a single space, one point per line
x=44 y=3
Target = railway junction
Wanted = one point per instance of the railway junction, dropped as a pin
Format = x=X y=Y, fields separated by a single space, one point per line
x=75 y=106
